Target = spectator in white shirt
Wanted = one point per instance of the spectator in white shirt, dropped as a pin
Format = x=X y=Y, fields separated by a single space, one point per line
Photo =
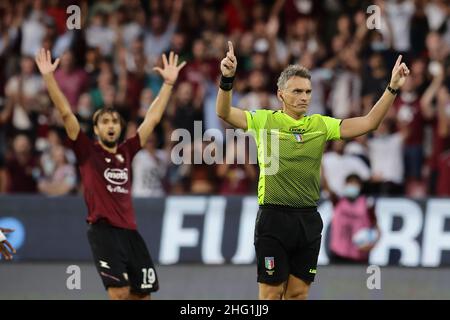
x=399 y=14
x=149 y=169
x=33 y=29
x=337 y=166
x=100 y=35
x=63 y=178
x=157 y=39
x=386 y=159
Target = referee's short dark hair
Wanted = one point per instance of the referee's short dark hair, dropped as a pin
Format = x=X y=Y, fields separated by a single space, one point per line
x=293 y=70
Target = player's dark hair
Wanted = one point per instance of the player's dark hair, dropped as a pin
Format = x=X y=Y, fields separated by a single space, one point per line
x=293 y=70
x=110 y=110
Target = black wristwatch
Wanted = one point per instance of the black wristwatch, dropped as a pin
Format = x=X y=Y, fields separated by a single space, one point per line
x=392 y=90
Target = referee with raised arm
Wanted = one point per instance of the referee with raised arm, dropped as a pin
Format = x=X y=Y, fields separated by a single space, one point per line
x=288 y=227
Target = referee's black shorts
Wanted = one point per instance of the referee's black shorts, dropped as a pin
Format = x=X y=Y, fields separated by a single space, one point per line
x=122 y=258
x=287 y=241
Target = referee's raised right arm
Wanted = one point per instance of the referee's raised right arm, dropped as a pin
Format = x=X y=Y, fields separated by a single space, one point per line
x=234 y=116
x=46 y=67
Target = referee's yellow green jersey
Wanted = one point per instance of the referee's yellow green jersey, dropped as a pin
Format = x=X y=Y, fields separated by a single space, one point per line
x=290 y=177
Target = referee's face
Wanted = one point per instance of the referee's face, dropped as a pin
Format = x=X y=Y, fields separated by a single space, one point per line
x=296 y=95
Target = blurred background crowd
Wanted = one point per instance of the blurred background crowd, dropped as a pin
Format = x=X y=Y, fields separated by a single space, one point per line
x=109 y=61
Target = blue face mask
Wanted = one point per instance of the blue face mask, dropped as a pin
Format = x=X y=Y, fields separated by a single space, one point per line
x=378 y=46
x=351 y=191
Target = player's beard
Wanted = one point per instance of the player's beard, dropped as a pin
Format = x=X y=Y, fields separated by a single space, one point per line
x=109 y=144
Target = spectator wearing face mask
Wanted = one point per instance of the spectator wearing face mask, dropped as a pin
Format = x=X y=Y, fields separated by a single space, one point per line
x=354 y=229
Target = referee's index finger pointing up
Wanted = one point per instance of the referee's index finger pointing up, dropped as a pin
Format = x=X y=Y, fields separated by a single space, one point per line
x=230 y=47
x=397 y=63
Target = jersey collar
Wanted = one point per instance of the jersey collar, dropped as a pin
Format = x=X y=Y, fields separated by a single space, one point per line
x=292 y=119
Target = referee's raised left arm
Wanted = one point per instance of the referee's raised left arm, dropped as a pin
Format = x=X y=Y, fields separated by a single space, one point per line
x=358 y=126
x=234 y=116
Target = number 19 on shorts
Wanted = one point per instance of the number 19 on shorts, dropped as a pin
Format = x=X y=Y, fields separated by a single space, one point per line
x=149 y=278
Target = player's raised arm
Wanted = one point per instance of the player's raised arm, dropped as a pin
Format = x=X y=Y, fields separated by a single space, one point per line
x=169 y=72
x=354 y=127
x=46 y=67
x=234 y=116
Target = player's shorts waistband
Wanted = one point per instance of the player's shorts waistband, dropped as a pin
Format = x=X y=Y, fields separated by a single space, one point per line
x=288 y=208
x=102 y=222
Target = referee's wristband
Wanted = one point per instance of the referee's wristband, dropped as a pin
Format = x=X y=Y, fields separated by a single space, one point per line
x=2 y=237
x=392 y=90
x=226 y=83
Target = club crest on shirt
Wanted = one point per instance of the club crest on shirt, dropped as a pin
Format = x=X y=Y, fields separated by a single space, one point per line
x=120 y=157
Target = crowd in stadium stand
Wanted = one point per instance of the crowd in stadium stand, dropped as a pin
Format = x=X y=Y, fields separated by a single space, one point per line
x=109 y=61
